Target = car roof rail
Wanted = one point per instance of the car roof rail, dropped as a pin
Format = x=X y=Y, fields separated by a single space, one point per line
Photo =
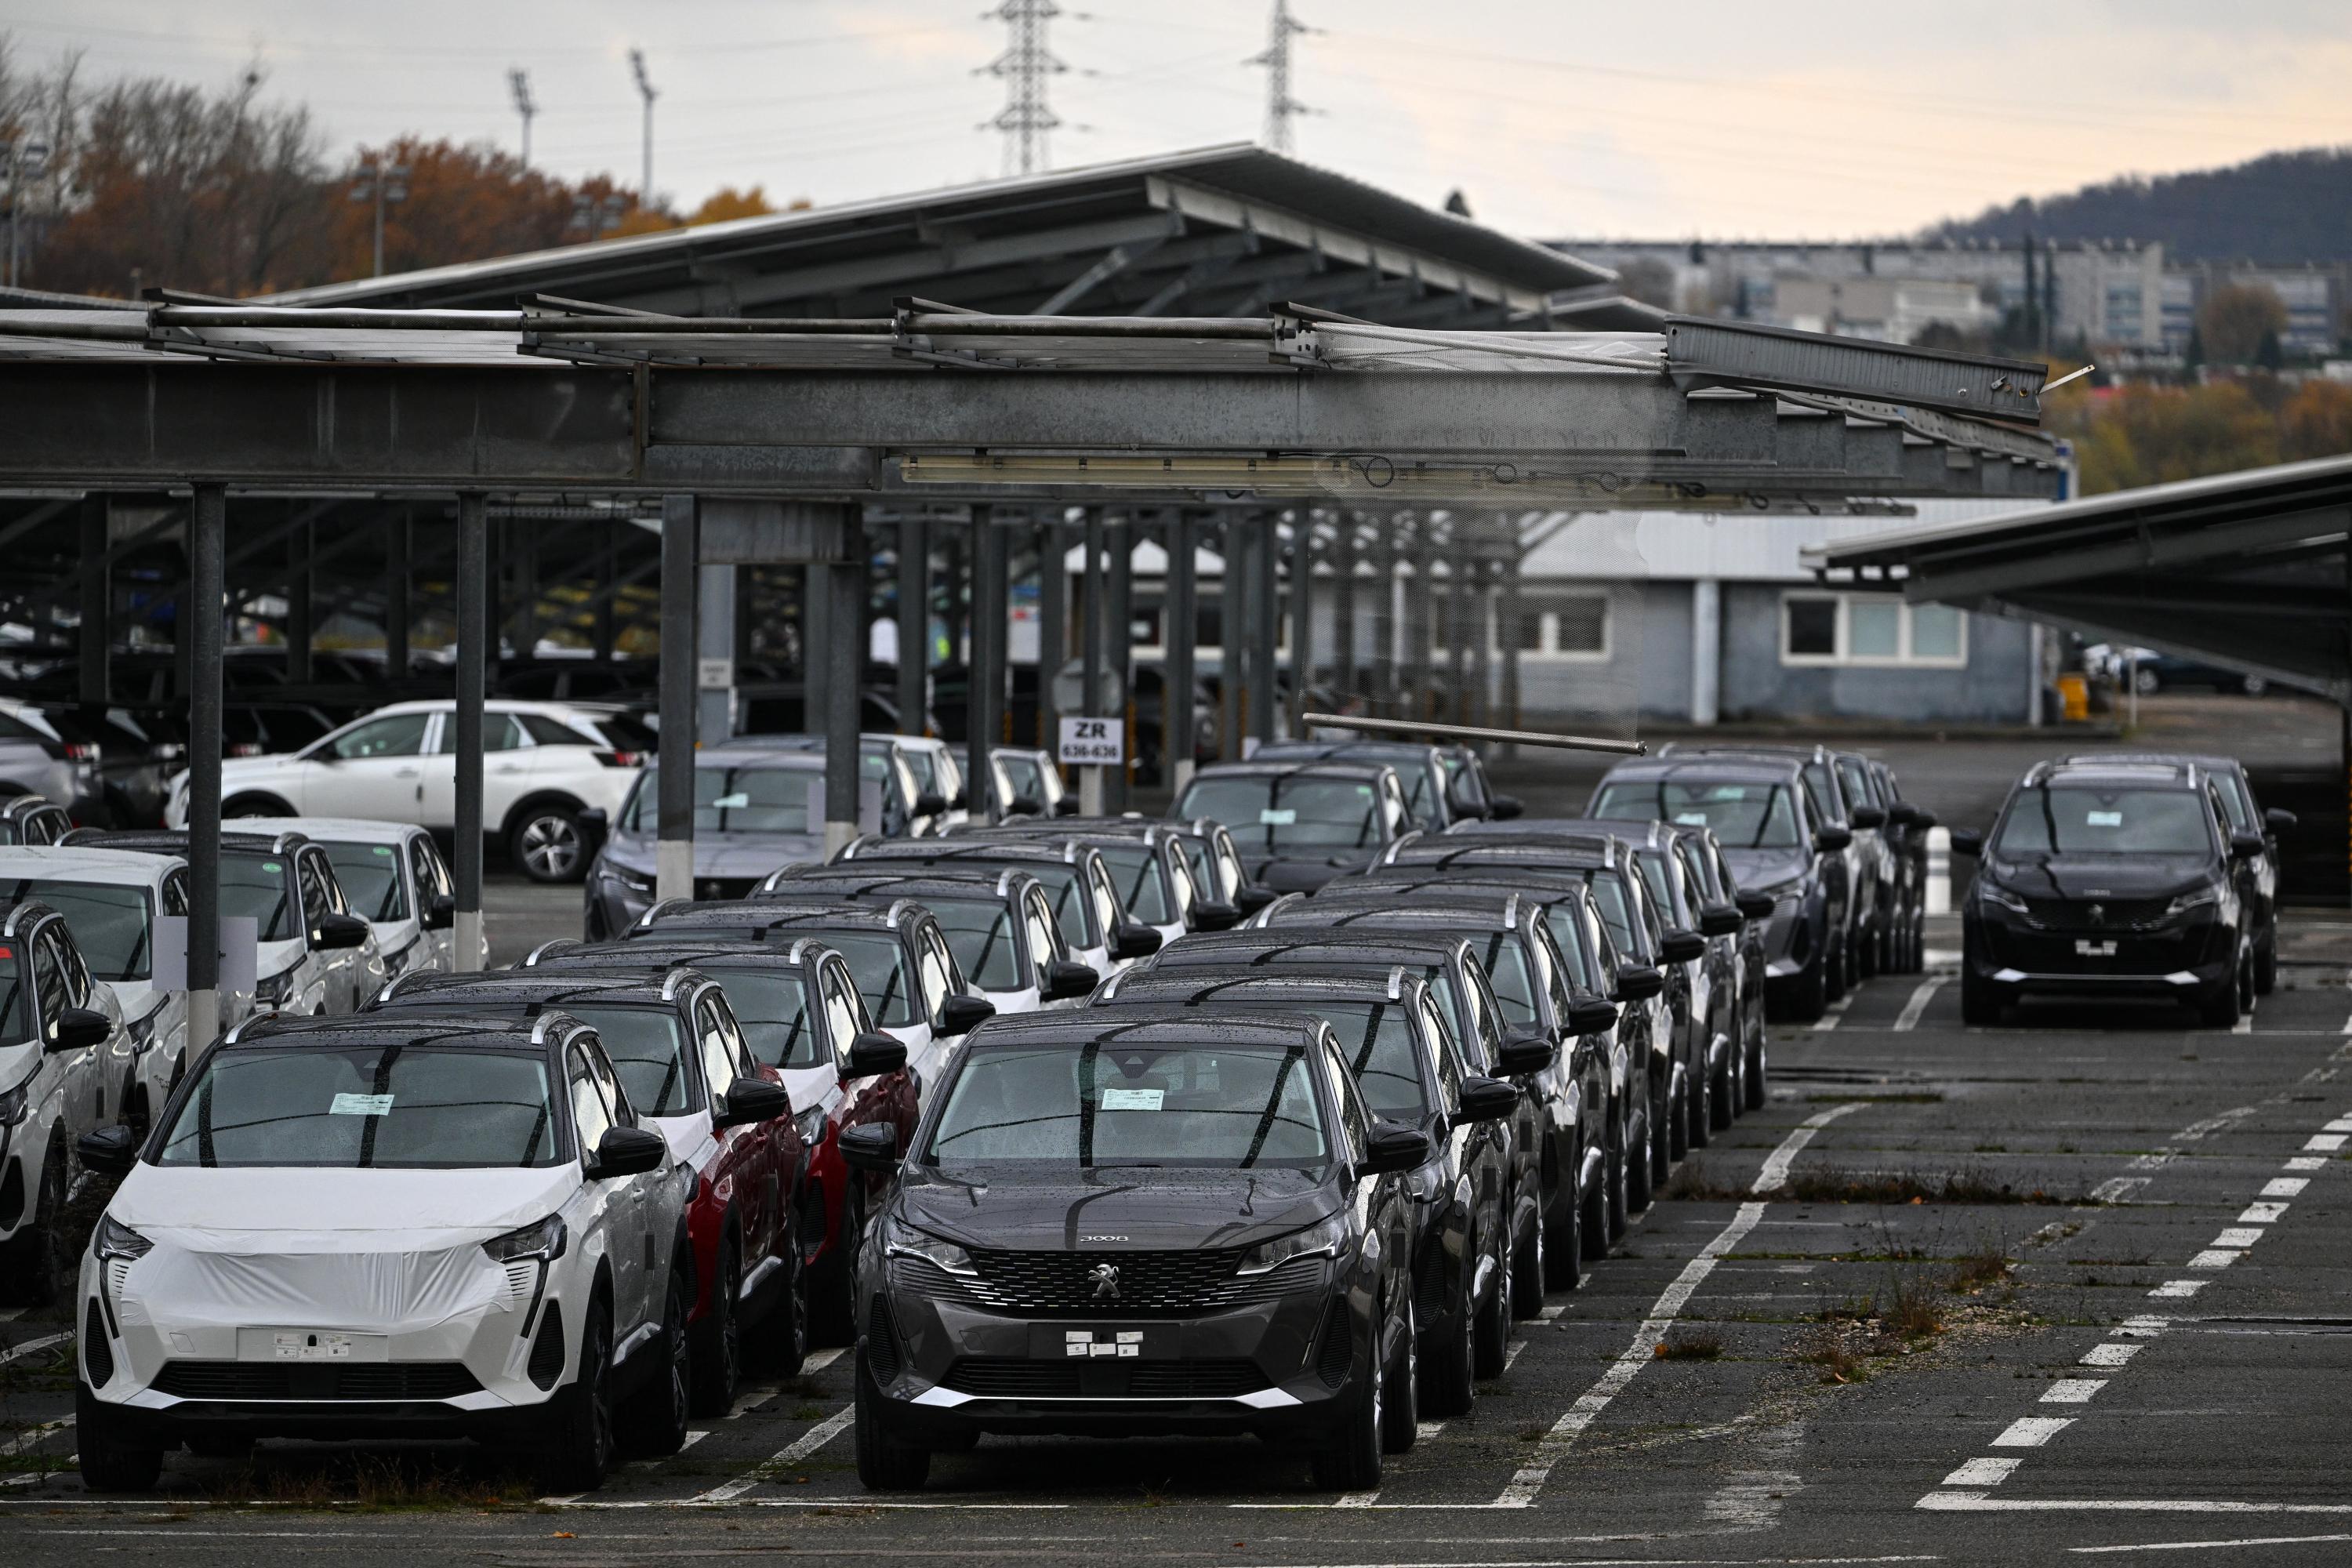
x=1396 y=983
x=238 y=1031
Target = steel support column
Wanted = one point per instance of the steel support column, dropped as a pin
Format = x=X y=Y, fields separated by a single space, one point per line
x=1384 y=617
x=1118 y=648
x=96 y=588
x=609 y=552
x=846 y=612
x=717 y=593
x=1421 y=652
x=1512 y=615
x=984 y=712
x=1265 y=623
x=1461 y=588
x=200 y=618
x=1233 y=636
x=1480 y=711
x=680 y=556
x=1302 y=618
x=1053 y=625
x=1343 y=608
x=1706 y=651
x=914 y=625
x=1091 y=644
x=302 y=602
x=396 y=606
x=1179 y=625
x=474 y=635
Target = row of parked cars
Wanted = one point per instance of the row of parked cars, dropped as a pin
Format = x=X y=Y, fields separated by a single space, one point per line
x=1274 y=1116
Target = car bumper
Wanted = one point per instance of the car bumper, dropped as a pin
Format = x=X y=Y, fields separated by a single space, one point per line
x=2173 y=963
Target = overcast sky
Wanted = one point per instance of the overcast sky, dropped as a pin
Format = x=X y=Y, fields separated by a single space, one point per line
x=1723 y=118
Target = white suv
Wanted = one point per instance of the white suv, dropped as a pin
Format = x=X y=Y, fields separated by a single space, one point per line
x=394 y=877
x=389 y=1225
x=109 y=899
x=552 y=775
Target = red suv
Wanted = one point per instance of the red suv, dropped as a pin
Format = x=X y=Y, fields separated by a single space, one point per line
x=688 y=1070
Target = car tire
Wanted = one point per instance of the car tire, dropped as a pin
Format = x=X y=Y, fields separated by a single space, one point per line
x=1722 y=1099
x=112 y=1456
x=1809 y=993
x=1617 y=1182
x=2266 y=967
x=833 y=1308
x=717 y=1338
x=1400 y=1405
x=1490 y=1320
x=549 y=844
x=1529 y=1261
x=1699 y=1108
x=1758 y=1090
x=1351 y=1461
x=256 y=806
x=781 y=1344
x=33 y=1267
x=1564 y=1247
x=1639 y=1181
x=1834 y=968
x=1866 y=954
x=1675 y=1143
x=578 y=1449
x=1448 y=1380
x=1980 y=1006
x=653 y=1420
x=885 y=1463
x=2223 y=1005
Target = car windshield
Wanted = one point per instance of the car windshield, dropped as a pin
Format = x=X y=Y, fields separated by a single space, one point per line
x=1136 y=876
x=1282 y=811
x=1118 y=1104
x=735 y=800
x=885 y=978
x=394 y=1107
x=980 y=934
x=370 y=878
x=2073 y=819
x=1377 y=1039
x=649 y=1051
x=110 y=923
x=254 y=885
x=1756 y=816
x=15 y=1004
x=1513 y=978
x=773 y=1011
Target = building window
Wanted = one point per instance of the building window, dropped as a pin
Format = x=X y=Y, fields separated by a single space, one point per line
x=1871 y=629
x=1565 y=625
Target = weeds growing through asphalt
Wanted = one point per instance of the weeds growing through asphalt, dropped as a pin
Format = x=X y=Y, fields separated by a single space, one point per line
x=1836 y=1184
x=1689 y=1345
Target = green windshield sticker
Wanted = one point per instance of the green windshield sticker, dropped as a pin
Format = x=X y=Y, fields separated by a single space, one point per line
x=383 y=851
x=361 y=1105
x=271 y=866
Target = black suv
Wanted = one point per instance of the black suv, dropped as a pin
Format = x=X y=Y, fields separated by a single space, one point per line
x=2109 y=879
x=1299 y=825
x=1135 y=1223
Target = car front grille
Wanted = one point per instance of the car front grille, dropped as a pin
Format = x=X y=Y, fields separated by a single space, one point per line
x=2115 y=914
x=1147 y=1284
x=1010 y=1377
x=241 y=1380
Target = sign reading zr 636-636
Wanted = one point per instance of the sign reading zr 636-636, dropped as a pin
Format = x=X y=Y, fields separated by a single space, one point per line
x=1093 y=743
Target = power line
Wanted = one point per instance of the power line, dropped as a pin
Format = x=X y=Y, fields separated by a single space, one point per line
x=1281 y=108
x=1024 y=67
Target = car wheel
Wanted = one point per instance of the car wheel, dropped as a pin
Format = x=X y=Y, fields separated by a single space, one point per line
x=2266 y=968
x=653 y=1421
x=256 y=806
x=1721 y=1098
x=1809 y=993
x=1401 y=1407
x=579 y=1447
x=1352 y=1463
x=1758 y=1090
x=1564 y=1247
x=2219 y=1008
x=1490 y=1320
x=112 y=1456
x=719 y=1337
x=1639 y=1175
x=1980 y=1006
x=1449 y=1381
x=1699 y=1108
x=32 y=1264
x=835 y=1322
x=783 y=1340
x=1616 y=1184
x=1866 y=954
x=1527 y=1267
x=1674 y=1145
x=885 y=1462
x=548 y=844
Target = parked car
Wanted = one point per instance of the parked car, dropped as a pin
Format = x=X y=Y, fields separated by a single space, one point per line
x=1030 y=782
x=1074 y=877
x=394 y=877
x=2101 y=880
x=1299 y=825
x=1409 y=1069
x=801 y=1013
x=1907 y=844
x=907 y=810
x=62 y=1046
x=754 y=810
x=35 y=760
x=1428 y=783
x=686 y=1071
x=29 y=819
x=1248 y=1170
x=1480 y=797
x=553 y=776
x=1150 y=873
x=366 y=1177
x=136 y=753
x=1207 y=845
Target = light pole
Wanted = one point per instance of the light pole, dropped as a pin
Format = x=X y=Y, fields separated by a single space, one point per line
x=381 y=182
x=645 y=91
x=597 y=217
x=519 y=81
x=26 y=161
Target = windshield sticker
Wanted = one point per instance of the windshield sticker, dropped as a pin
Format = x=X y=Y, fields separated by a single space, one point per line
x=1132 y=1099
x=271 y=866
x=1690 y=818
x=2105 y=818
x=361 y=1105
x=381 y=852
x=1282 y=817
x=736 y=802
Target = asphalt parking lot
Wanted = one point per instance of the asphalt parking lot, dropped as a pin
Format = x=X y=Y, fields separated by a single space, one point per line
x=2008 y=1293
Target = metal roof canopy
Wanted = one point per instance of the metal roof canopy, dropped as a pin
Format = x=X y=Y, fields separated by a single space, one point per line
x=2246 y=570
x=1224 y=230
x=1296 y=405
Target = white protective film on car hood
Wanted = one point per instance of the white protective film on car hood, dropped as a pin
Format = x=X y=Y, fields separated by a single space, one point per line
x=19 y=1064
x=340 y=1250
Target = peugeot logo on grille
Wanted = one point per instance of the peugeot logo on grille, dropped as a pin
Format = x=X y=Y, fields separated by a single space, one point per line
x=1106 y=1279
x=2099 y=913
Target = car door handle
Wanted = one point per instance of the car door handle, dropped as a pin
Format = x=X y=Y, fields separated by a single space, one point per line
x=404 y=773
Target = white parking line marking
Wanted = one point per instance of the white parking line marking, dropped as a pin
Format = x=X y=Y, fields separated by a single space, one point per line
x=2240 y=1236
x=1424 y=1431
x=1982 y=1473
x=32 y=1436
x=2215 y=1258
x=2244 y=1025
x=2116 y=1189
x=2262 y=1214
x=2073 y=1390
x=2031 y=1431
x=1923 y=995
x=2147 y=1325
x=817 y=1360
x=2175 y=1289
x=753 y=1398
x=2341 y=1124
x=2306 y=1163
x=2110 y=1354
x=1555 y=1444
x=2327 y=1143
x=2286 y=1186
x=1977 y=1503
x=691 y=1439
x=2205 y=1545
x=815 y=1437
x=1513 y=1354
x=30 y=1347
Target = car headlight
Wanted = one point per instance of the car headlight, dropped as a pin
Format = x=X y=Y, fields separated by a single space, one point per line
x=114 y=1240
x=2196 y=898
x=274 y=989
x=902 y=1240
x=1993 y=893
x=636 y=882
x=809 y=1124
x=395 y=962
x=13 y=1105
x=143 y=1031
x=1326 y=1238
x=544 y=1240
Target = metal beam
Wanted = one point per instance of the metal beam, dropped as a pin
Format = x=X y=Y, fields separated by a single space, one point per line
x=914 y=625
x=1118 y=650
x=682 y=551
x=1115 y=260
x=1931 y=579
x=985 y=675
x=474 y=635
x=1180 y=627
x=207 y=531
x=1053 y=624
x=844 y=583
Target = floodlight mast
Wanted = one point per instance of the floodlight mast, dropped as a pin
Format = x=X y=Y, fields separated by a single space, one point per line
x=644 y=90
x=519 y=81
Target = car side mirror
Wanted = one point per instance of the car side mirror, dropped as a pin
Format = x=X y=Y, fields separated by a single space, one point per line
x=1215 y=914
x=874 y=1053
x=1524 y=1054
x=1966 y=841
x=1681 y=946
x=2246 y=844
x=1754 y=905
x=1720 y=920
x=1024 y=806
x=1505 y=808
x=1590 y=1015
x=1135 y=940
x=871 y=1147
x=627 y=1152
x=1869 y=816
x=1488 y=1100
x=1834 y=837
x=1638 y=982
x=930 y=802
x=2279 y=821
x=751 y=1100
x=1066 y=978
x=77 y=1027
x=1903 y=814
x=440 y=912
x=962 y=1015
x=1394 y=1148
x=338 y=930
x=592 y=822
x=110 y=1151
x=1066 y=806
x=1462 y=801
x=961 y=800
x=1253 y=897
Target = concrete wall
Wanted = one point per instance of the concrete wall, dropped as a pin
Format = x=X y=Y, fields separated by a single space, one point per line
x=1991 y=689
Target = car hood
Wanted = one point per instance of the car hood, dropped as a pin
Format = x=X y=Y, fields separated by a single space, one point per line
x=722 y=855
x=137 y=998
x=1119 y=1208
x=2101 y=876
x=17 y=1065
x=1764 y=868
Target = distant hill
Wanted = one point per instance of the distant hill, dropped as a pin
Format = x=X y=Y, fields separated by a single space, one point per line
x=2282 y=208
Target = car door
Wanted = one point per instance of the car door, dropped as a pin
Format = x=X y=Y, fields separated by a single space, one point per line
x=628 y=1236
x=505 y=773
x=429 y=879
x=374 y=769
x=82 y=1069
x=747 y=1154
